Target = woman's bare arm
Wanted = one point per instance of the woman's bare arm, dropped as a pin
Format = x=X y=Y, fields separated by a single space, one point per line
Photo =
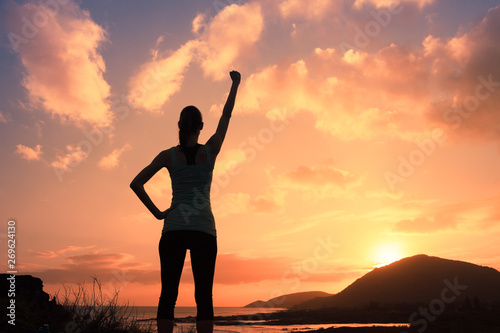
x=215 y=142
x=137 y=184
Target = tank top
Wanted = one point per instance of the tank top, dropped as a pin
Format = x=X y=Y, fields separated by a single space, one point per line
x=191 y=196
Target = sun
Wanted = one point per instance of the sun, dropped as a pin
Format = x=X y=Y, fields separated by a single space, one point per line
x=386 y=254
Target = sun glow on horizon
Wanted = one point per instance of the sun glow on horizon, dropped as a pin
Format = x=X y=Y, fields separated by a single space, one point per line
x=386 y=254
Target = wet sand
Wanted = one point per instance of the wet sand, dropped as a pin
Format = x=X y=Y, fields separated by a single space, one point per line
x=432 y=329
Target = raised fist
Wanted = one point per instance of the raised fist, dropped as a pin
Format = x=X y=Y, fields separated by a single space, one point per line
x=235 y=76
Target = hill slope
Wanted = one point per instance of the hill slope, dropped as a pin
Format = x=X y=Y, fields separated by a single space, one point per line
x=417 y=279
x=287 y=301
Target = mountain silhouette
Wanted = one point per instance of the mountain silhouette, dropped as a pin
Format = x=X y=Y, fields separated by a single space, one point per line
x=287 y=301
x=417 y=279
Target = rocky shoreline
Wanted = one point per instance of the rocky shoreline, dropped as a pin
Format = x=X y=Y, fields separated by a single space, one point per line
x=458 y=320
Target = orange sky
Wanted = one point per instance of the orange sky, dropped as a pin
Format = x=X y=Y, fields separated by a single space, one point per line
x=364 y=131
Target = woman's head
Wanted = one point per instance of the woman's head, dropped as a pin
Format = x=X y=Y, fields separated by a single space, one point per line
x=190 y=123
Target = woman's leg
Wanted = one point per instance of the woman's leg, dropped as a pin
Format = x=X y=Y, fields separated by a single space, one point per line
x=204 y=326
x=172 y=250
x=203 y=254
x=165 y=325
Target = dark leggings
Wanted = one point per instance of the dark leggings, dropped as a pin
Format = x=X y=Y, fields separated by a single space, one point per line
x=203 y=250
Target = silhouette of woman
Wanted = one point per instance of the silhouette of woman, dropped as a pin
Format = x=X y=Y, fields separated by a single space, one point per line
x=189 y=222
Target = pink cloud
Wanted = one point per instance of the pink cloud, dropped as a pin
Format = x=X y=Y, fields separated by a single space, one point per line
x=225 y=38
x=112 y=160
x=198 y=23
x=112 y=259
x=230 y=203
x=319 y=175
x=60 y=252
x=332 y=88
x=395 y=92
x=467 y=70
x=229 y=160
x=423 y=224
x=48 y=254
x=465 y=215
x=63 y=68
x=389 y=3
x=317 y=181
x=160 y=78
x=28 y=153
x=71 y=248
x=69 y=160
x=229 y=35
x=271 y=201
x=112 y=269
x=3 y=118
x=120 y=269
x=267 y=204
x=311 y=10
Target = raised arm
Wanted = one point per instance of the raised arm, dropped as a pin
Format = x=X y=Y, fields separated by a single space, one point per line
x=215 y=142
x=137 y=184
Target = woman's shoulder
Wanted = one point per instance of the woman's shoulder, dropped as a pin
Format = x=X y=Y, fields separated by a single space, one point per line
x=166 y=156
x=167 y=152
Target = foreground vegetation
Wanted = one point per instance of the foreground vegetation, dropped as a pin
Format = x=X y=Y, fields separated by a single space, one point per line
x=90 y=310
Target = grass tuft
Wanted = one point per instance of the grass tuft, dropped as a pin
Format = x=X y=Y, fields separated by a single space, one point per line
x=93 y=311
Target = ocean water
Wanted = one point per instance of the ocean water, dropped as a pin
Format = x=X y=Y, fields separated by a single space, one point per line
x=254 y=324
x=147 y=312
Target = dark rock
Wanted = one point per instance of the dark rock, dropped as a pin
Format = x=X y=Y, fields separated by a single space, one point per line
x=33 y=306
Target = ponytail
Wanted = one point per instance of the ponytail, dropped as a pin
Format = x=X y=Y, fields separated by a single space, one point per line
x=189 y=122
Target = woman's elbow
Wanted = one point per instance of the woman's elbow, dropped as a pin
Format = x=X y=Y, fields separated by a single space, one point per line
x=134 y=185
